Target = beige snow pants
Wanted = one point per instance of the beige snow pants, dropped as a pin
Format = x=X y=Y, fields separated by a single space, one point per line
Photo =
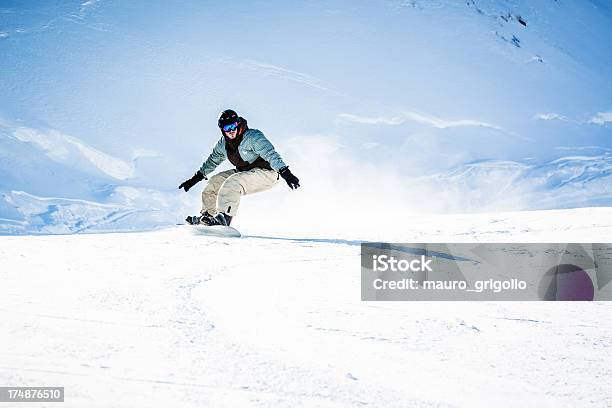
x=224 y=189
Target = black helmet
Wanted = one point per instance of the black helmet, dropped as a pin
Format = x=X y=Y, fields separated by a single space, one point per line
x=227 y=117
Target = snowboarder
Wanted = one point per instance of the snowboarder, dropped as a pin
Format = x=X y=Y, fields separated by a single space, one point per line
x=258 y=167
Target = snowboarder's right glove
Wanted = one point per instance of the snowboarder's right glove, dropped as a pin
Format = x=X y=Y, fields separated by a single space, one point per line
x=187 y=184
x=292 y=181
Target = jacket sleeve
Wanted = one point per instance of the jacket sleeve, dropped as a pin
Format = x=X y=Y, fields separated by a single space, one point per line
x=265 y=150
x=215 y=158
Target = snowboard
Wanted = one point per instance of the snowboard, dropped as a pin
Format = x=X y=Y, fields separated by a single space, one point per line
x=215 y=231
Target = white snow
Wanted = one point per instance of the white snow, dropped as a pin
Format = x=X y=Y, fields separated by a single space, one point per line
x=602 y=118
x=425 y=119
x=278 y=72
x=395 y=120
x=386 y=112
x=376 y=107
x=551 y=116
x=168 y=318
x=64 y=148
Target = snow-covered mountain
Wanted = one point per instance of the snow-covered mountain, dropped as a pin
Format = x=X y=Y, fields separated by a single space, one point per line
x=54 y=183
x=566 y=182
x=410 y=106
x=169 y=318
x=406 y=121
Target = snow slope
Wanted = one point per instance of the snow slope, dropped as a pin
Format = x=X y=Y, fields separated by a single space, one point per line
x=115 y=104
x=168 y=318
x=567 y=181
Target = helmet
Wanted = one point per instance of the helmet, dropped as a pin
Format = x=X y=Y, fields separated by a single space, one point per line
x=227 y=117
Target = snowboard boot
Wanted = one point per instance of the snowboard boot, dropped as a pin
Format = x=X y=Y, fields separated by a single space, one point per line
x=220 y=219
x=193 y=219
x=203 y=218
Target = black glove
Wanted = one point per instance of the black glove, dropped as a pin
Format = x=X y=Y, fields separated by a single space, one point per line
x=187 y=184
x=292 y=181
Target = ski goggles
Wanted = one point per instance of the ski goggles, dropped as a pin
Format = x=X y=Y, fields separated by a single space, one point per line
x=231 y=127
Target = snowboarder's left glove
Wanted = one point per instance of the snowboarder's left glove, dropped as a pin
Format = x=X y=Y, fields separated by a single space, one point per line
x=292 y=181
x=187 y=184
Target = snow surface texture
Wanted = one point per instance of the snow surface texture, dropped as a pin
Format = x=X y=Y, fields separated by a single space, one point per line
x=168 y=318
x=385 y=110
x=399 y=106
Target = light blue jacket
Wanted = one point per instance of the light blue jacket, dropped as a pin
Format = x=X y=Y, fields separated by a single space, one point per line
x=253 y=145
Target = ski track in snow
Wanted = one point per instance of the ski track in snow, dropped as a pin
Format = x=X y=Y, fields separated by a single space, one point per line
x=168 y=318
